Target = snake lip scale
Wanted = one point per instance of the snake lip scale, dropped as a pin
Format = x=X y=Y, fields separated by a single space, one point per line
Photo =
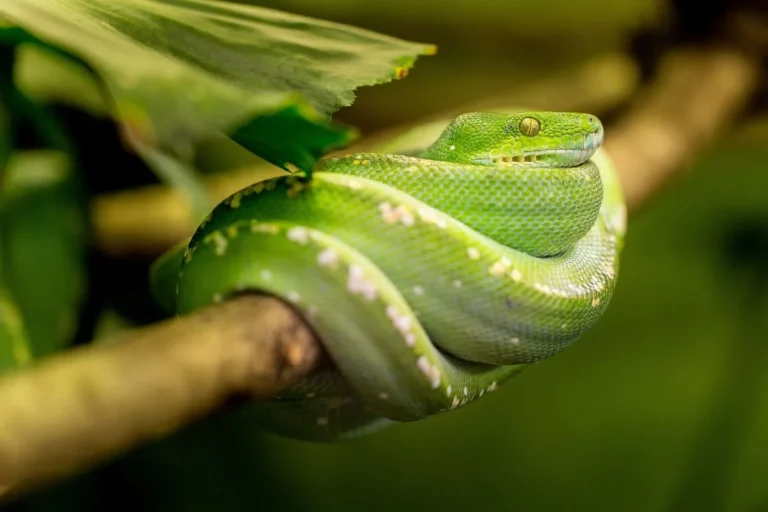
x=574 y=151
x=430 y=276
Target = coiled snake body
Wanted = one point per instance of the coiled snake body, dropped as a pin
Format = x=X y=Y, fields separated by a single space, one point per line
x=430 y=277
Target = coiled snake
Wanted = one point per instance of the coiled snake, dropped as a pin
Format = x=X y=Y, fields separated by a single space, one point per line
x=430 y=276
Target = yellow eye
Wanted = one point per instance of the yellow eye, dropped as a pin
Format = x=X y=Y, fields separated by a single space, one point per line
x=529 y=127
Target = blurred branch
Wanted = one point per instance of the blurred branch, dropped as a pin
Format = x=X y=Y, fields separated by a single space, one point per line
x=85 y=406
x=694 y=99
x=74 y=410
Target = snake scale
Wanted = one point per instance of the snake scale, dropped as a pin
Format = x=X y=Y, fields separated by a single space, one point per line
x=430 y=275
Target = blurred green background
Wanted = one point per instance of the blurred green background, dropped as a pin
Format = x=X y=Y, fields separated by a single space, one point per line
x=662 y=406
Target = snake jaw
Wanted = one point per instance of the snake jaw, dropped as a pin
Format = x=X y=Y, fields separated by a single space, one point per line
x=567 y=152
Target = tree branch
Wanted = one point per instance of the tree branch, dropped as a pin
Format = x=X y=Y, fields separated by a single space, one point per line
x=82 y=407
x=695 y=98
x=76 y=409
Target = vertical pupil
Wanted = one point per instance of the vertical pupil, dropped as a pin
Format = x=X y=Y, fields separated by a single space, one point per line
x=529 y=127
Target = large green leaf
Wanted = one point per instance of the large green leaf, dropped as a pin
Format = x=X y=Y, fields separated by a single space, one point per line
x=46 y=78
x=180 y=71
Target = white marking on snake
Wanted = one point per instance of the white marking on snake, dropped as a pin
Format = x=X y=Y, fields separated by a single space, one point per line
x=455 y=403
x=448 y=390
x=500 y=267
x=514 y=341
x=432 y=372
x=492 y=387
x=328 y=258
x=383 y=395
x=266 y=275
x=220 y=242
x=403 y=324
x=453 y=146
x=430 y=216
x=418 y=290
x=457 y=283
x=390 y=214
x=466 y=391
x=399 y=213
x=311 y=395
x=473 y=253
x=322 y=420
x=516 y=275
x=258 y=227
x=298 y=234
x=482 y=392
x=294 y=296
x=406 y=217
x=356 y=283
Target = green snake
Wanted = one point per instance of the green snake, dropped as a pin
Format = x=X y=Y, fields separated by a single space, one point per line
x=431 y=275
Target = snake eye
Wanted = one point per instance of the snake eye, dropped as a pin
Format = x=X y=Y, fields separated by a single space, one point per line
x=529 y=126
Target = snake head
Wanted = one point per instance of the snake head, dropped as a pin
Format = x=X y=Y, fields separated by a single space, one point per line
x=531 y=139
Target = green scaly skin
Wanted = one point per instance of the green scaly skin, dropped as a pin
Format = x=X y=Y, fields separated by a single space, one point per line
x=431 y=277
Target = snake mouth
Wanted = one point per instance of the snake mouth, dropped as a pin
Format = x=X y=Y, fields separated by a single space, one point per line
x=568 y=152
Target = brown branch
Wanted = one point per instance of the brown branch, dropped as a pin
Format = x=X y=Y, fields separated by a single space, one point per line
x=85 y=406
x=79 y=408
x=694 y=99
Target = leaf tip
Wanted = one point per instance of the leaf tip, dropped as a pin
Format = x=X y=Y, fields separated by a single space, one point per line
x=403 y=70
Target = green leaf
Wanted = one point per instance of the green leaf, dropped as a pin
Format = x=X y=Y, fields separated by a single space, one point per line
x=43 y=232
x=6 y=137
x=14 y=347
x=46 y=77
x=6 y=92
x=181 y=71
